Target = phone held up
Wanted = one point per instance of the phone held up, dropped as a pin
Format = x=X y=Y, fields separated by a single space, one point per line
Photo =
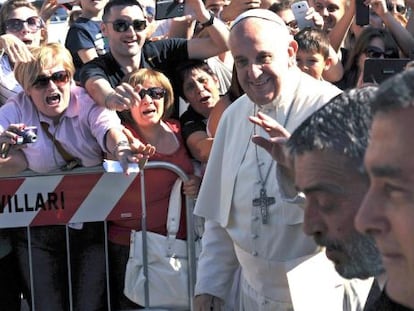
x=361 y=13
x=299 y=9
x=168 y=9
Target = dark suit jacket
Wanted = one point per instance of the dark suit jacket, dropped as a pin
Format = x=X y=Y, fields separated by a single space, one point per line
x=384 y=303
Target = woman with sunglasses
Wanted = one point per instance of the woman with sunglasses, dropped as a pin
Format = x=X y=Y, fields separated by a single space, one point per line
x=20 y=28
x=148 y=121
x=371 y=43
x=71 y=130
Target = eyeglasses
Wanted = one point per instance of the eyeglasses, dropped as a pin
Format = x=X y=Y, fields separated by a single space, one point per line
x=15 y=25
x=374 y=52
x=398 y=7
x=153 y=92
x=59 y=78
x=121 y=25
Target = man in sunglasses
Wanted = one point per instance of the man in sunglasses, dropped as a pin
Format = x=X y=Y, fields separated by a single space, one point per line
x=124 y=25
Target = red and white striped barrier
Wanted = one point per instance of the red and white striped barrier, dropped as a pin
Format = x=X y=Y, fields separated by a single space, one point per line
x=62 y=199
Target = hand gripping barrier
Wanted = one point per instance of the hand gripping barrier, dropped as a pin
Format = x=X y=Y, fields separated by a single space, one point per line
x=30 y=199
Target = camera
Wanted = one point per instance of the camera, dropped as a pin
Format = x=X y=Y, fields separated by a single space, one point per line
x=27 y=136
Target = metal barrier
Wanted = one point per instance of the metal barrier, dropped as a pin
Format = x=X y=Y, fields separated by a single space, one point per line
x=30 y=199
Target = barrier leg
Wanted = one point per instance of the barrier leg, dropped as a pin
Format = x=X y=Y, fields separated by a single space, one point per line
x=144 y=239
x=29 y=251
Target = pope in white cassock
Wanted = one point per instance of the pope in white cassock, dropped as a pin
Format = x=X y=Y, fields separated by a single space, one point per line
x=248 y=224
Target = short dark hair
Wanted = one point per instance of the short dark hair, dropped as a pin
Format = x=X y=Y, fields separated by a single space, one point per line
x=112 y=3
x=342 y=125
x=314 y=41
x=186 y=67
x=396 y=92
x=280 y=6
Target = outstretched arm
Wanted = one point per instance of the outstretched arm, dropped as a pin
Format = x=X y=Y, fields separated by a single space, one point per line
x=218 y=33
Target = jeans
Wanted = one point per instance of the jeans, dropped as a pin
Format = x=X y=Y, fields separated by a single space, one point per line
x=118 y=257
x=50 y=272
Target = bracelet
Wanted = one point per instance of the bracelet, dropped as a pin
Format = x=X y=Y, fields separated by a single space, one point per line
x=122 y=143
x=106 y=100
x=209 y=22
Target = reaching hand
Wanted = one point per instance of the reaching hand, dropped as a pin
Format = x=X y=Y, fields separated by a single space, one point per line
x=48 y=8
x=16 y=49
x=137 y=147
x=192 y=186
x=122 y=98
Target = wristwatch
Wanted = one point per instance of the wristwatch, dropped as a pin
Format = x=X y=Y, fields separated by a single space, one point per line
x=210 y=21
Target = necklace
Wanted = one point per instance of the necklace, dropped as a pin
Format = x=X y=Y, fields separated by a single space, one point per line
x=263 y=201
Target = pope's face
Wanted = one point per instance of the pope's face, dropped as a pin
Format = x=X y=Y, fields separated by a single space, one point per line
x=261 y=61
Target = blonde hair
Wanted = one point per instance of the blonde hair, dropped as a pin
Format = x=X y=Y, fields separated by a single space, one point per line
x=155 y=77
x=46 y=56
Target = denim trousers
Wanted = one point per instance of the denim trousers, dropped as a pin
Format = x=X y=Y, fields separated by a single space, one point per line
x=50 y=267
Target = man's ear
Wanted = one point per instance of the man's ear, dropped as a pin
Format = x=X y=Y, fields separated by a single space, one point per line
x=104 y=29
x=328 y=63
x=292 y=50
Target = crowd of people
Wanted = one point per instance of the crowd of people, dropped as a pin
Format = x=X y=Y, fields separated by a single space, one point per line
x=300 y=168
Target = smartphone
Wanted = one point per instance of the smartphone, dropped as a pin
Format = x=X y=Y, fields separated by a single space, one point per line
x=361 y=13
x=168 y=9
x=377 y=70
x=299 y=9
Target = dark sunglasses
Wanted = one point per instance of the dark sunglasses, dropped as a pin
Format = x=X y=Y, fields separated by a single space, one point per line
x=153 y=92
x=121 y=25
x=398 y=7
x=59 y=78
x=15 y=25
x=374 y=52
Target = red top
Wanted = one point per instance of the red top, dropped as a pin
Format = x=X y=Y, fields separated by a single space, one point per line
x=158 y=185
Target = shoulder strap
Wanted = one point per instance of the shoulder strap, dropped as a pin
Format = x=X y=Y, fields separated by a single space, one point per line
x=174 y=213
x=71 y=161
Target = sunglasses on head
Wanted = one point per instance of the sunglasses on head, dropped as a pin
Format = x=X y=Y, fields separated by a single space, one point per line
x=121 y=25
x=34 y=23
x=398 y=7
x=153 y=92
x=59 y=78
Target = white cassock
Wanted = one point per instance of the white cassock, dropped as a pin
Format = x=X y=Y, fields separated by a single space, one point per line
x=234 y=231
x=315 y=285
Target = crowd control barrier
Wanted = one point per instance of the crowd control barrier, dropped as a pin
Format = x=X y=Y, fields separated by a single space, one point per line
x=61 y=198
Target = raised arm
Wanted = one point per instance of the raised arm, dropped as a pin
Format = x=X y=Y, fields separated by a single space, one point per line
x=401 y=35
x=121 y=98
x=218 y=33
x=339 y=31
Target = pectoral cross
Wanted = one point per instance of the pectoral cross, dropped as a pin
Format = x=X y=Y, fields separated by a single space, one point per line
x=263 y=202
